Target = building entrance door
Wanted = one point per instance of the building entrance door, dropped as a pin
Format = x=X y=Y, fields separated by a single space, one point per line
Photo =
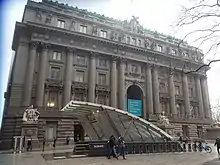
x=78 y=133
x=135 y=100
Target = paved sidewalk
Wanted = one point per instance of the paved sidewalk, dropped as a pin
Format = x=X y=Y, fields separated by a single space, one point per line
x=144 y=159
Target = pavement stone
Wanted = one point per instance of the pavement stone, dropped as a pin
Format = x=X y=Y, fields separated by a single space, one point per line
x=194 y=158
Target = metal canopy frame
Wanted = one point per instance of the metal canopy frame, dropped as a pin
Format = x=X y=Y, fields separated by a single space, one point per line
x=107 y=121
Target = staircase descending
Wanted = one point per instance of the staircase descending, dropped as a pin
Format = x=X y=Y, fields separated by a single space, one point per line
x=81 y=148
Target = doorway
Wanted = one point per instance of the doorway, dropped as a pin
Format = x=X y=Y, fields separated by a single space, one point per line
x=78 y=133
x=135 y=100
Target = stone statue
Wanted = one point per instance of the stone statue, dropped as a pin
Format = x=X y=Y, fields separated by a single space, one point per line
x=114 y=35
x=39 y=15
x=73 y=25
x=146 y=43
x=49 y=18
x=163 y=120
x=121 y=37
x=134 y=23
x=94 y=30
x=153 y=46
x=30 y=114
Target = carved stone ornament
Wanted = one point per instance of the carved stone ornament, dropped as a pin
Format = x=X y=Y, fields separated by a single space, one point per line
x=73 y=25
x=147 y=43
x=49 y=18
x=163 y=120
x=121 y=37
x=94 y=30
x=133 y=25
x=114 y=35
x=30 y=115
x=39 y=15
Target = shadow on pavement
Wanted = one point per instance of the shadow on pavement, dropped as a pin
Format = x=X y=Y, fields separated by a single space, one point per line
x=215 y=161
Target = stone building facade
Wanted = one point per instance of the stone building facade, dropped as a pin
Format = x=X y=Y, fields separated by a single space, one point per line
x=64 y=53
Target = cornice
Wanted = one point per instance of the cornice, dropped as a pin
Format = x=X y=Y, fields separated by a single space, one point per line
x=108 y=41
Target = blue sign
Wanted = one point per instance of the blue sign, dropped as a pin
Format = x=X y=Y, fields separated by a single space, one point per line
x=135 y=107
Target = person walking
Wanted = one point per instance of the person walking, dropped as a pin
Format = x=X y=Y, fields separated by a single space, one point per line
x=112 y=147
x=121 y=145
x=54 y=142
x=217 y=144
x=44 y=142
x=29 y=145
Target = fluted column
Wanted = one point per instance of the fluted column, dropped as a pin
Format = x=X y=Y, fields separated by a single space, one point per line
x=149 y=91
x=92 y=78
x=114 y=83
x=156 y=95
x=121 y=83
x=42 y=75
x=30 y=74
x=68 y=75
x=186 y=94
x=205 y=96
x=199 y=96
x=172 y=96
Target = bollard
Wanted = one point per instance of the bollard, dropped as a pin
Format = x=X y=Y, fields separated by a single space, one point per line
x=184 y=147
x=133 y=149
x=194 y=147
x=189 y=147
x=140 y=149
x=167 y=147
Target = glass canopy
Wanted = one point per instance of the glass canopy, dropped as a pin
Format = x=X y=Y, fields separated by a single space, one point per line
x=100 y=122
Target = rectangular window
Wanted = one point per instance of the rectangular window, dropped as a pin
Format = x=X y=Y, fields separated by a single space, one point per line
x=102 y=79
x=102 y=99
x=51 y=130
x=173 y=52
x=83 y=29
x=55 y=73
x=78 y=97
x=79 y=76
x=103 y=34
x=200 y=132
x=177 y=90
x=102 y=62
x=159 y=48
x=128 y=40
x=139 y=42
x=185 y=129
x=134 y=69
x=57 y=56
x=61 y=24
x=134 y=41
x=191 y=93
x=52 y=99
x=81 y=60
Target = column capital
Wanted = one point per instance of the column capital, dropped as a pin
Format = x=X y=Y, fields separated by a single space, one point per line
x=114 y=58
x=122 y=59
x=93 y=54
x=45 y=46
x=70 y=49
x=34 y=45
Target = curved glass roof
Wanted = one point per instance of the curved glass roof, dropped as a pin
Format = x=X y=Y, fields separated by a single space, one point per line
x=101 y=121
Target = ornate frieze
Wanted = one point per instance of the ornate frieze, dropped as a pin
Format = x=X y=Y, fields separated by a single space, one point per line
x=79 y=85
x=105 y=48
x=102 y=88
x=49 y=18
x=53 y=84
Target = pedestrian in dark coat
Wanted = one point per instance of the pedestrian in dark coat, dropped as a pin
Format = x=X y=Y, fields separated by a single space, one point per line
x=121 y=145
x=112 y=147
x=217 y=144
